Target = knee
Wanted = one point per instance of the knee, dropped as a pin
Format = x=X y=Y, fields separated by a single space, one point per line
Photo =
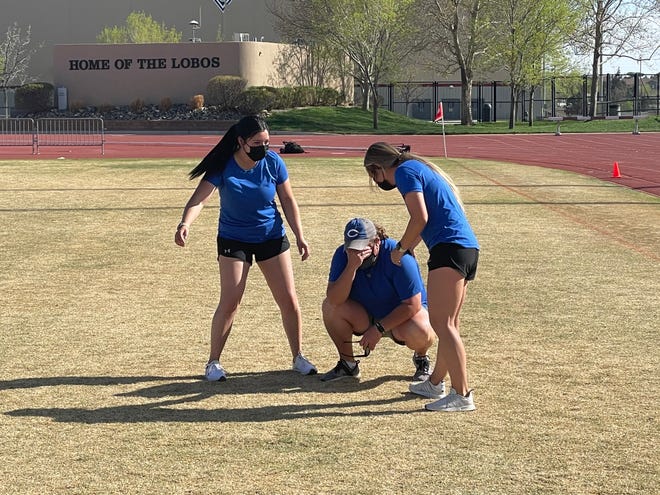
x=420 y=336
x=227 y=309
x=429 y=336
x=328 y=310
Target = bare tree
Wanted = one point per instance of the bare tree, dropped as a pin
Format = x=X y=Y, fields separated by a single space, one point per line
x=615 y=28
x=15 y=55
x=457 y=30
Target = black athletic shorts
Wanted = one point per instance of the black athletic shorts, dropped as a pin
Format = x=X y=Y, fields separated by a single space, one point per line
x=464 y=260
x=247 y=251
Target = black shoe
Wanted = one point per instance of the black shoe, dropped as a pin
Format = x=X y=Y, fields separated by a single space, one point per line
x=341 y=371
x=422 y=365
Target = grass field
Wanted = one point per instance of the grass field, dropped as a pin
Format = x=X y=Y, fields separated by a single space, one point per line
x=345 y=120
x=105 y=330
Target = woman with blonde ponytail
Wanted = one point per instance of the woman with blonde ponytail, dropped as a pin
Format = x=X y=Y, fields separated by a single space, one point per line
x=437 y=217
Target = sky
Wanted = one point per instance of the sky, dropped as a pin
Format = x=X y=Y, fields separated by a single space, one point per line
x=627 y=65
x=624 y=65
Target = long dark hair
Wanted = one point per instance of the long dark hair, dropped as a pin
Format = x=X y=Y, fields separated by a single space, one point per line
x=217 y=158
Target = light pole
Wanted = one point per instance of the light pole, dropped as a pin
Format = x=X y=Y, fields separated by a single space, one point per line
x=194 y=26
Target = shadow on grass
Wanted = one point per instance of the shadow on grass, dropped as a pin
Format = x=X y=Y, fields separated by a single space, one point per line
x=165 y=398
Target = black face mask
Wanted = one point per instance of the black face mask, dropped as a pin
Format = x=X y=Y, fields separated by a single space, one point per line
x=386 y=185
x=257 y=152
x=368 y=262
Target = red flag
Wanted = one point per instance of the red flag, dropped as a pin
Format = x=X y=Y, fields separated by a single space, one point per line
x=438 y=115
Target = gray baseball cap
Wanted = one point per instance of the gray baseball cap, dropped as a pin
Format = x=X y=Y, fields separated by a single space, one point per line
x=358 y=233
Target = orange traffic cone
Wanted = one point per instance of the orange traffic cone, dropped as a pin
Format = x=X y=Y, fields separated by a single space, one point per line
x=615 y=171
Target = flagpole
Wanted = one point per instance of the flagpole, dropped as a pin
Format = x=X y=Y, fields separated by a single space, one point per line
x=440 y=115
x=444 y=140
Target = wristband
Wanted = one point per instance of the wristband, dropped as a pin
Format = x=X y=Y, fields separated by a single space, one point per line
x=379 y=327
x=182 y=224
x=398 y=247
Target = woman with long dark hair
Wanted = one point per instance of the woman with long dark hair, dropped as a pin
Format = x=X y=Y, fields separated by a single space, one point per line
x=247 y=177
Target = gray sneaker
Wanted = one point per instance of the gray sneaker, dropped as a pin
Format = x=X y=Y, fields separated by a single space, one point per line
x=453 y=402
x=341 y=371
x=427 y=389
x=422 y=365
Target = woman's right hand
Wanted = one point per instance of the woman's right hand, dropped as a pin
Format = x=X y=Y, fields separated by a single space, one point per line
x=181 y=235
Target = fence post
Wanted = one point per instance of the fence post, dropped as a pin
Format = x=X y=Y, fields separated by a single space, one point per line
x=494 y=98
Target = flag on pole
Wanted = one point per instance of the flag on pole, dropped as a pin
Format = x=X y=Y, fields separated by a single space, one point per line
x=222 y=4
x=439 y=114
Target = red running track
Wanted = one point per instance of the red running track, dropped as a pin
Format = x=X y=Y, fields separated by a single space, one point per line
x=638 y=155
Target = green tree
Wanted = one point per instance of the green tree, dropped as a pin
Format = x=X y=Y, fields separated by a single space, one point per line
x=375 y=35
x=139 y=28
x=525 y=32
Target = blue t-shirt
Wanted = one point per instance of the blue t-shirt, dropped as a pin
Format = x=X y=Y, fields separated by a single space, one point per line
x=382 y=287
x=248 y=211
x=446 y=219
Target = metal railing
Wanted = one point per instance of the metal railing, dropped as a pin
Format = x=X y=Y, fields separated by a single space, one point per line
x=52 y=132
x=18 y=132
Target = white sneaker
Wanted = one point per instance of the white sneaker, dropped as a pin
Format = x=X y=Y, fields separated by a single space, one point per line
x=427 y=389
x=303 y=366
x=214 y=372
x=453 y=402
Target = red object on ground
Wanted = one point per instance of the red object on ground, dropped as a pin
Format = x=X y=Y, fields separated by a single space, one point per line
x=616 y=174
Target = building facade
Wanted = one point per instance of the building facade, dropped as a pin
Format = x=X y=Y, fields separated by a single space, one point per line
x=95 y=75
x=79 y=22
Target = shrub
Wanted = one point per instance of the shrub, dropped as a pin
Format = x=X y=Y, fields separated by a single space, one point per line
x=223 y=91
x=304 y=96
x=286 y=97
x=105 y=108
x=76 y=105
x=137 y=105
x=165 y=104
x=35 y=97
x=327 y=97
x=197 y=102
x=256 y=99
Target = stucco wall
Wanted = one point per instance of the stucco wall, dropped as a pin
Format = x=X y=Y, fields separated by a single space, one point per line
x=119 y=74
x=59 y=22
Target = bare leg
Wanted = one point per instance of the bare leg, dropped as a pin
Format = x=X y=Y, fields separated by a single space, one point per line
x=233 y=276
x=446 y=293
x=278 y=273
x=341 y=321
x=417 y=333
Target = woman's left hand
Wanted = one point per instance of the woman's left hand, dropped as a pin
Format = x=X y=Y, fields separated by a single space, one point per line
x=396 y=256
x=303 y=248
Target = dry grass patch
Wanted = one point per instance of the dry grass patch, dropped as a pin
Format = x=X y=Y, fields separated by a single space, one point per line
x=105 y=327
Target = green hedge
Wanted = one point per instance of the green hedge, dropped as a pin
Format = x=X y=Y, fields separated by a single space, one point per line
x=224 y=91
x=35 y=97
x=257 y=99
